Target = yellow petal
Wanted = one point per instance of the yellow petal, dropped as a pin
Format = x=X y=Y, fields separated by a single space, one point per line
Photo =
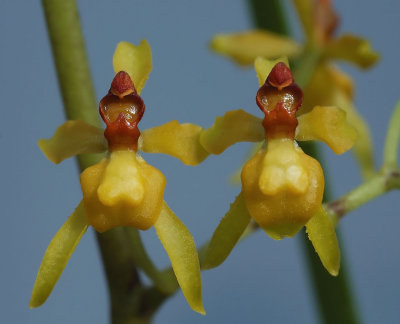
x=72 y=138
x=57 y=255
x=135 y=60
x=264 y=66
x=115 y=194
x=323 y=237
x=352 y=49
x=235 y=126
x=329 y=125
x=305 y=10
x=244 y=47
x=178 y=140
x=227 y=234
x=181 y=249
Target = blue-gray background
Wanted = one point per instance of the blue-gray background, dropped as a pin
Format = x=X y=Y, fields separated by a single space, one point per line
x=262 y=279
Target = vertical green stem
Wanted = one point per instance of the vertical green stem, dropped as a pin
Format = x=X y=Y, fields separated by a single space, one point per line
x=269 y=15
x=333 y=295
x=391 y=148
x=130 y=302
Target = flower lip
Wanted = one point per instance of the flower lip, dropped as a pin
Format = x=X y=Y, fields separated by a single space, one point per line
x=122 y=109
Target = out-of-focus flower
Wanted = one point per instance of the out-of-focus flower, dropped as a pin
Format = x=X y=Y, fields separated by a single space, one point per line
x=122 y=189
x=328 y=85
x=282 y=187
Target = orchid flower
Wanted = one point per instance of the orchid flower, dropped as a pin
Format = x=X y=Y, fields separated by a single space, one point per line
x=122 y=189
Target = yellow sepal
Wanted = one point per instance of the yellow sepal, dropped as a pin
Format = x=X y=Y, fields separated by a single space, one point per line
x=363 y=147
x=57 y=255
x=264 y=66
x=322 y=234
x=235 y=126
x=243 y=48
x=181 y=249
x=135 y=60
x=305 y=11
x=352 y=49
x=282 y=188
x=327 y=81
x=329 y=125
x=135 y=201
x=178 y=140
x=72 y=138
x=227 y=234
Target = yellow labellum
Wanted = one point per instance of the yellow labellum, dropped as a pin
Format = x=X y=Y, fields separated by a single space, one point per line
x=281 y=205
x=122 y=190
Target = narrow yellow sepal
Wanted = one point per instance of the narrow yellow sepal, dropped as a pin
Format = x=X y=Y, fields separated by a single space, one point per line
x=178 y=140
x=122 y=190
x=329 y=125
x=227 y=234
x=279 y=201
x=235 y=126
x=135 y=60
x=72 y=138
x=322 y=234
x=352 y=49
x=332 y=87
x=264 y=66
x=305 y=11
x=57 y=255
x=243 y=48
x=181 y=249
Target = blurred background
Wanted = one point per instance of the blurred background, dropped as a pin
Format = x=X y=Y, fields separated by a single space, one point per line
x=263 y=280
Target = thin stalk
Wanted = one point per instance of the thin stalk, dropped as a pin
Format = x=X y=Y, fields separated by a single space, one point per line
x=333 y=295
x=130 y=302
x=391 y=148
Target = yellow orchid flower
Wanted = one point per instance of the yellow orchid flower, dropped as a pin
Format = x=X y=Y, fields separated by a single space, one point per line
x=122 y=189
x=319 y=22
x=282 y=187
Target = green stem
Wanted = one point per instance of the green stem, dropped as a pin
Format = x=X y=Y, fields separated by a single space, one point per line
x=269 y=15
x=332 y=294
x=130 y=302
x=165 y=282
x=376 y=186
x=391 y=148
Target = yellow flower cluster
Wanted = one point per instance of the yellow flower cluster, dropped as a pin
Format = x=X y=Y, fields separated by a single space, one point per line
x=282 y=187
